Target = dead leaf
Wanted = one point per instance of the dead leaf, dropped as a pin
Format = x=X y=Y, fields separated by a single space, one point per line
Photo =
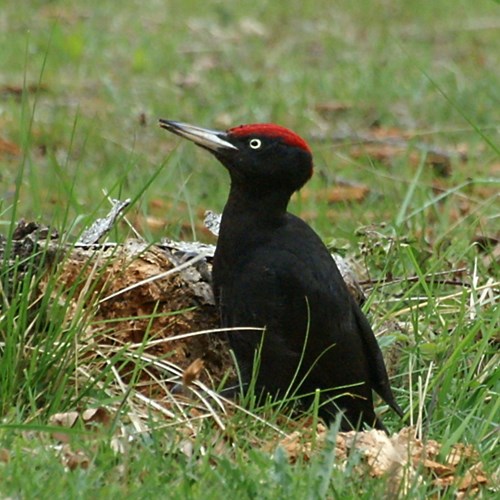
x=439 y=161
x=192 y=372
x=339 y=194
x=160 y=203
x=17 y=90
x=74 y=459
x=473 y=478
x=380 y=132
x=495 y=169
x=332 y=107
x=398 y=457
x=186 y=446
x=437 y=468
x=4 y=455
x=383 y=153
x=299 y=443
x=444 y=482
x=90 y=417
x=63 y=14
x=94 y=416
x=296 y=447
x=460 y=452
x=9 y=148
x=66 y=419
x=187 y=80
x=378 y=451
x=463 y=495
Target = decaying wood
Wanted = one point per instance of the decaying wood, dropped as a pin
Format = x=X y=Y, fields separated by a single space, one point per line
x=132 y=292
x=102 y=226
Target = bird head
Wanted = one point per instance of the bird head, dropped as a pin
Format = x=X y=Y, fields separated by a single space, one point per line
x=260 y=156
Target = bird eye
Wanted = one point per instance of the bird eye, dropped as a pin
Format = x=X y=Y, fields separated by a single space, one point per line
x=255 y=143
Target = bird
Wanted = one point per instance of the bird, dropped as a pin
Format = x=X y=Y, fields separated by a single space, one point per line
x=272 y=271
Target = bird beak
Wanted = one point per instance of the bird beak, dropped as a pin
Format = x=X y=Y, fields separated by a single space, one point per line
x=213 y=140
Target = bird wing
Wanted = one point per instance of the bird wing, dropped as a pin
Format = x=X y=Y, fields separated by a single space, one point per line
x=291 y=286
x=380 y=379
x=258 y=295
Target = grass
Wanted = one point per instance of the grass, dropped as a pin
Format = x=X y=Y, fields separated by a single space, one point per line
x=81 y=89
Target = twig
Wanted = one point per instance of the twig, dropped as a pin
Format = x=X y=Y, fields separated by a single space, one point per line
x=101 y=227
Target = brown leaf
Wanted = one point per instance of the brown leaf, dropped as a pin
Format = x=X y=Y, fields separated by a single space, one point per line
x=460 y=452
x=296 y=447
x=4 y=455
x=17 y=90
x=437 y=468
x=378 y=450
x=332 y=107
x=339 y=194
x=74 y=459
x=473 y=478
x=379 y=132
x=495 y=169
x=90 y=417
x=93 y=416
x=383 y=153
x=9 y=148
x=66 y=419
x=466 y=495
x=444 y=482
x=398 y=457
x=385 y=456
x=187 y=80
x=342 y=191
x=299 y=443
x=150 y=222
x=63 y=14
x=160 y=203
x=192 y=372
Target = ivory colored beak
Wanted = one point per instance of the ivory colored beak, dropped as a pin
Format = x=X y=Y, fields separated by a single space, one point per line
x=212 y=140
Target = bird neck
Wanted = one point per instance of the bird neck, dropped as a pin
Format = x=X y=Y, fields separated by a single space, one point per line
x=249 y=219
x=256 y=205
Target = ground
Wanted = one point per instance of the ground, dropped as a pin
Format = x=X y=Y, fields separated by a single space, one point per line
x=399 y=102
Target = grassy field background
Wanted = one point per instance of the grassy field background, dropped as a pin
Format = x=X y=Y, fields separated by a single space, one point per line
x=82 y=85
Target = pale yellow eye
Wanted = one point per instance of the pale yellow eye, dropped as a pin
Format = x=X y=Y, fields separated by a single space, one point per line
x=255 y=143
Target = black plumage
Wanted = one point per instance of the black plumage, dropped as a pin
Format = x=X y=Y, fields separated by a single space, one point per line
x=272 y=271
